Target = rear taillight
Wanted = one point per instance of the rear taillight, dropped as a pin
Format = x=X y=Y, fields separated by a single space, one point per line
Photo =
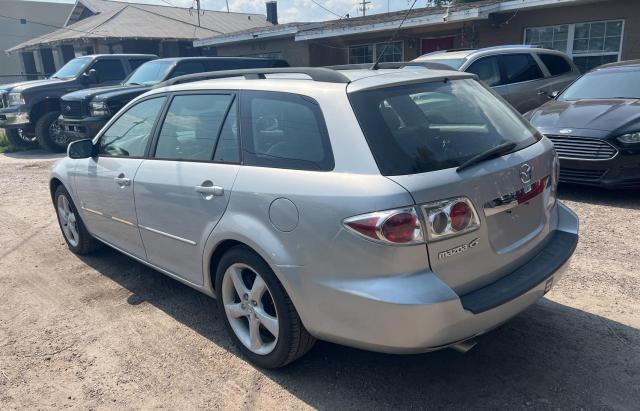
x=451 y=217
x=400 y=226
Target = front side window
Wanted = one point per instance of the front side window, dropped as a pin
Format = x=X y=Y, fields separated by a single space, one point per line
x=285 y=131
x=188 y=67
x=519 y=68
x=418 y=128
x=129 y=134
x=109 y=70
x=605 y=84
x=191 y=127
x=487 y=69
x=589 y=44
x=73 y=68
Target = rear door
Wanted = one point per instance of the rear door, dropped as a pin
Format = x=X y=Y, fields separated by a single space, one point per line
x=422 y=147
x=104 y=183
x=522 y=81
x=182 y=191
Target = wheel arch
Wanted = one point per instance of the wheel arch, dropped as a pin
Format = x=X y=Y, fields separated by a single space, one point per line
x=42 y=107
x=54 y=183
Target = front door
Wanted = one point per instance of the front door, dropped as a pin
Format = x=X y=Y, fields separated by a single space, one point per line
x=104 y=183
x=183 y=190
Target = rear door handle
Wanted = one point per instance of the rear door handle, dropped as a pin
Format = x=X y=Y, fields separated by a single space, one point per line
x=210 y=190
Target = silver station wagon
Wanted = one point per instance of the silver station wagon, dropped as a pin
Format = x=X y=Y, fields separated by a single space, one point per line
x=394 y=210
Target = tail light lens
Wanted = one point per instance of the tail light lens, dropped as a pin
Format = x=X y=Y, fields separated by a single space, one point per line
x=400 y=226
x=451 y=217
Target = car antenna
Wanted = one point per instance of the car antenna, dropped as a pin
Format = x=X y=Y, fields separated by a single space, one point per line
x=375 y=65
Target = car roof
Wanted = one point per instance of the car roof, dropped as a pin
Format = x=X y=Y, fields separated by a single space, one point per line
x=179 y=59
x=119 y=55
x=298 y=82
x=620 y=64
x=487 y=51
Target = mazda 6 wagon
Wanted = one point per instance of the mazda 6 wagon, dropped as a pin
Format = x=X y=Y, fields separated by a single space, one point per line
x=394 y=210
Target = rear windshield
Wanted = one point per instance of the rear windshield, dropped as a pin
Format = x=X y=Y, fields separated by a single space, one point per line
x=432 y=126
x=614 y=83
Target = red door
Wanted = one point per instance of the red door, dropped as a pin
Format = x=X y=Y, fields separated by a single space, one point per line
x=441 y=43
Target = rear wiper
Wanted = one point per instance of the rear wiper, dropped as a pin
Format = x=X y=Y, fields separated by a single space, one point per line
x=497 y=151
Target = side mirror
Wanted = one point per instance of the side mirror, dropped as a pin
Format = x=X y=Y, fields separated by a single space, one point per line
x=90 y=77
x=81 y=149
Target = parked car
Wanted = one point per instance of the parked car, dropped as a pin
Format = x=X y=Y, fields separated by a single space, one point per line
x=85 y=112
x=524 y=76
x=353 y=206
x=29 y=110
x=595 y=127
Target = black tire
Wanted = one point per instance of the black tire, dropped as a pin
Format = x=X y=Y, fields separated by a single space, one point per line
x=44 y=136
x=14 y=138
x=293 y=339
x=85 y=243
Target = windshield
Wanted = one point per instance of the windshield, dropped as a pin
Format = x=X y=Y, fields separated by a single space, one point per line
x=432 y=126
x=149 y=73
x=453 y=63
x=616 y=83
x=73 y=68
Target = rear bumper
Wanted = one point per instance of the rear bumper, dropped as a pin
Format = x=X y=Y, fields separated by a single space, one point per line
x=84 y=128
x=17 y=117
x=623 y=171
x=419 y=312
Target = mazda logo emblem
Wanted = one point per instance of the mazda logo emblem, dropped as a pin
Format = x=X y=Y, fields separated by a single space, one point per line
x=525 y=173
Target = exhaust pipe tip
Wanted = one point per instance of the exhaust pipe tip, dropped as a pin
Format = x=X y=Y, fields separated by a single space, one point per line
x=464 y=346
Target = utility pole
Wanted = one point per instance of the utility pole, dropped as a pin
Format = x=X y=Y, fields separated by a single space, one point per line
x=364 y=4
x=198 y=10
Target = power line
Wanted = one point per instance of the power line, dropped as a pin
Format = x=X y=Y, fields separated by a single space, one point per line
x=326 y=9
x=44 y=24
x=393 y=37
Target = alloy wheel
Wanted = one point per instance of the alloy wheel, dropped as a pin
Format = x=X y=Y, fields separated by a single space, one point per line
x=68 y=221
x=249 y=307
x=57 y=135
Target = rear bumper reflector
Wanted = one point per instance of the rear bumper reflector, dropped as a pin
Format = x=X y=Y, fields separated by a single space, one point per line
x=557 y=252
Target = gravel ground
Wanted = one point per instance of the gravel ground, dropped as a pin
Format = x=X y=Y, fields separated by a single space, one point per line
x=105 y=332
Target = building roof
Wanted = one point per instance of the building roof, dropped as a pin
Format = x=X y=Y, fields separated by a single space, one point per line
x=426 y=16
x=101 y=19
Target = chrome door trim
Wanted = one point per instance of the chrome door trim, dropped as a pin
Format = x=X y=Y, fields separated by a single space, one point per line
x=101 y=214
x=96 y=212
x=120 y=220
x=173 y=237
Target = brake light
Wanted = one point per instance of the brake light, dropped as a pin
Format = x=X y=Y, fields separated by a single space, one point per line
x=400 y=226
x=451 y=217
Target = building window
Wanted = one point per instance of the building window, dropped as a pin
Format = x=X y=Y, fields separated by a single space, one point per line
x=368 y=53
x=589 y=44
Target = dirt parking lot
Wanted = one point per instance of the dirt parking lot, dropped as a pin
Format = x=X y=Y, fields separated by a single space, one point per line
x=106 y=332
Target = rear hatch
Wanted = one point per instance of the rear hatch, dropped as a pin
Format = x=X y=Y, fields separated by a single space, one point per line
x=420 y=135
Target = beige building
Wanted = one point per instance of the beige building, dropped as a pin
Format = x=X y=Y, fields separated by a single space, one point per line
x=15 y=28
x=592 y=32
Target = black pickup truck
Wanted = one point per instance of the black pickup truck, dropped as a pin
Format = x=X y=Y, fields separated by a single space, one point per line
x=29 y=110
x=85 y=112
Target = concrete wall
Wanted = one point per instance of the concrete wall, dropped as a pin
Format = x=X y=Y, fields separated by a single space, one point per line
x=12 y=32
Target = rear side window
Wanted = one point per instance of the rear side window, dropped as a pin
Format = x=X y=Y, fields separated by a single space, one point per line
x=191 y=127
x=129 y=134
x=228 y=147
x=188 y=67
x=556 y=65
x=487 y=69
x=109 y=70
x=432 y=126
x=285 y=131
x=519 y=67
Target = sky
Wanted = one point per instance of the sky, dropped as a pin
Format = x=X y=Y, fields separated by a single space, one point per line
x=290 y=10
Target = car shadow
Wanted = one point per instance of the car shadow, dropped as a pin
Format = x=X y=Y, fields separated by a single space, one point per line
x=550 y=356
x=600 y=196
x=34 y=154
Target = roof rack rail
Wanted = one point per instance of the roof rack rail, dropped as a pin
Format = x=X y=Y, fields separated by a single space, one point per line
x=510 y=46
x=397 y=65
x=447 y=51
x=316 y=73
